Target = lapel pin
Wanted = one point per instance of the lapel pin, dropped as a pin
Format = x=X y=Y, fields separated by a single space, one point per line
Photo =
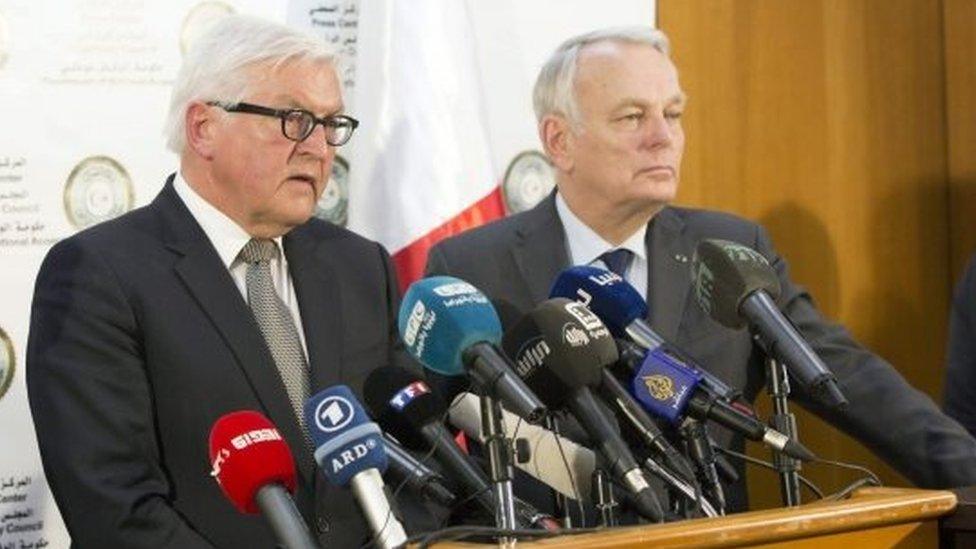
x=681 y=258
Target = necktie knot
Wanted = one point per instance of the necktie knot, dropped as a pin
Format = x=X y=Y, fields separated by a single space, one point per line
x=259 y=250
x=617 y=260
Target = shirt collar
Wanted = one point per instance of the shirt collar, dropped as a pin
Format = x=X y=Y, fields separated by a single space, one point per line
x=585 y=245
x=226 y=236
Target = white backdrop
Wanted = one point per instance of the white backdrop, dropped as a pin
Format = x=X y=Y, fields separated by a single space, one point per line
x=84 y=86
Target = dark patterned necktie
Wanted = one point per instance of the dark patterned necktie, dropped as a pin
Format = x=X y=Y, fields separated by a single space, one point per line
x=618 y=260
x=276 y=324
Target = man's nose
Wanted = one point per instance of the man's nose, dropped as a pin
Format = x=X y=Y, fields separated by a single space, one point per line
x=316 y=143
x=658 y=132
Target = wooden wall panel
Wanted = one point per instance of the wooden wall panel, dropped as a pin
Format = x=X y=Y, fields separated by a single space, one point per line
x=824 y=120
x=960 y=64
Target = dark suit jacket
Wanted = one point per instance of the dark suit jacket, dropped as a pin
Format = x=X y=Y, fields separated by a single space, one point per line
x=140 y=341
x=516 y=260
x=960 y=381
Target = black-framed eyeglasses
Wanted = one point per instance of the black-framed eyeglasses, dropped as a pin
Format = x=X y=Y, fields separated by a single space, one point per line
x=298 y=124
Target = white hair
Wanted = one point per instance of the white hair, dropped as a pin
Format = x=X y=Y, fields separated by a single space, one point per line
x=217 y=66
x=554 y=91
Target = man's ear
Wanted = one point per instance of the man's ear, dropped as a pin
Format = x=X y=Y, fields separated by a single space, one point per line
x=558 y=140
x=202 y=124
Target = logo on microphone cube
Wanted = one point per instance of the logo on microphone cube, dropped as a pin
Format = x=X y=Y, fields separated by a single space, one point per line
x=244 y=440
x=659 y=386
x=333 y=413
x=414 y=322
x=575 y=336
x=219 y=460
x=407 y=394
x=455 y=289
x=738 y=252
x=704 y=284
x=352 y=454
x=608 y=278
x=584 y=315
x=531 y=356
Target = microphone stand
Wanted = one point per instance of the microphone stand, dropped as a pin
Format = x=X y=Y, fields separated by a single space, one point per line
x=703 y=455
x=603 y=499
x=500 y=464
x=560 y=501
x=778 y=388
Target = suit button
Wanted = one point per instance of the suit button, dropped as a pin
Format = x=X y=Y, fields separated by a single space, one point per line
x=322 y=525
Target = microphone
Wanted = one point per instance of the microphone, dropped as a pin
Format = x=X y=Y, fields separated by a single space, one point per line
x=407 y=408
x=405 y=405
x=350 y=451
x=671 y=390
x=560 y=349
x=547 y=450
x=255 y=469
x=419 y=477
x=450 y=326
x=623 y=310
x=735 y=285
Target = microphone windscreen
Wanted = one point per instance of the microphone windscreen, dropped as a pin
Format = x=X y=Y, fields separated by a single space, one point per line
x=440 y=317
x=402 y=403
x=582 y=343
x=529 y=352
x=723 y=273
x=608 y=295
x=346 y=441
x=246 y=453
x=664 y=386
x=559 y=346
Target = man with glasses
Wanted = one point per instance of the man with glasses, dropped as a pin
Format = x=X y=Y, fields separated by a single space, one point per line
x=223 y=294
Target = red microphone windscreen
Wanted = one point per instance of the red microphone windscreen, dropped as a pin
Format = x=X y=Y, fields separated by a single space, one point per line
x=246 y=453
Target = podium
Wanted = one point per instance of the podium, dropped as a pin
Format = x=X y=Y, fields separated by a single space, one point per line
x=871 y=517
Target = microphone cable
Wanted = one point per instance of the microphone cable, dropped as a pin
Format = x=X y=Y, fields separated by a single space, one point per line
x=455 y=533
x=569 y=472
x=765 y=464
x=870 y=479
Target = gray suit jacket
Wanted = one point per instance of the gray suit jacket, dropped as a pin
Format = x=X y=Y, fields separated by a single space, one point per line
x=140 y=341
x=515 y=261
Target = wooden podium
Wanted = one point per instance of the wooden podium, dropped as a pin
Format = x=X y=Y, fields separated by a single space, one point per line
x=872 y=517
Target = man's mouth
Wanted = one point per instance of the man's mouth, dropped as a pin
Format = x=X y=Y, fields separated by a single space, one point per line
x=313 y=181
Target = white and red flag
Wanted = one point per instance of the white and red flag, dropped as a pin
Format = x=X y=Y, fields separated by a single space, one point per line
x=421 y=167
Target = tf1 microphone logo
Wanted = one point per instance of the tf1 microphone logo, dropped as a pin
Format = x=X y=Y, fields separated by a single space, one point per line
x=407 y=394
x=333 y=413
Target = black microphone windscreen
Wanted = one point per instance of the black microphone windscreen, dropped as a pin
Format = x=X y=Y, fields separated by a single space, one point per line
x=529 y=351
x=582 y=344
x=724 y=273
x=559 y=346
x=401 y=402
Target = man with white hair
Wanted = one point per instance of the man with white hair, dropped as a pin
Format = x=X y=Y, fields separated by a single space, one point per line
x=609 y=109
x=222 y=294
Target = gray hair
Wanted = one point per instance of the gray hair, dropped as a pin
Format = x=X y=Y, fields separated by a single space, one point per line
x=554 y=91
x=217 y=65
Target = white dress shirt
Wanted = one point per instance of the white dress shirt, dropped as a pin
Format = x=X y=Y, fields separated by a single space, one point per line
x=228 y=238
x=585 y=246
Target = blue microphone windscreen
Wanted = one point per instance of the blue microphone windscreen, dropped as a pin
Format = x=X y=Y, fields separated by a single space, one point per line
x=612 y=298
x=346 y=441
x=664 y=386
x=440 y=317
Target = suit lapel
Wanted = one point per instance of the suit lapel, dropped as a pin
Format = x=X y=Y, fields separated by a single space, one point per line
x=670 y=272
x=208 y=280
x=540 y=249
x=320 y=305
